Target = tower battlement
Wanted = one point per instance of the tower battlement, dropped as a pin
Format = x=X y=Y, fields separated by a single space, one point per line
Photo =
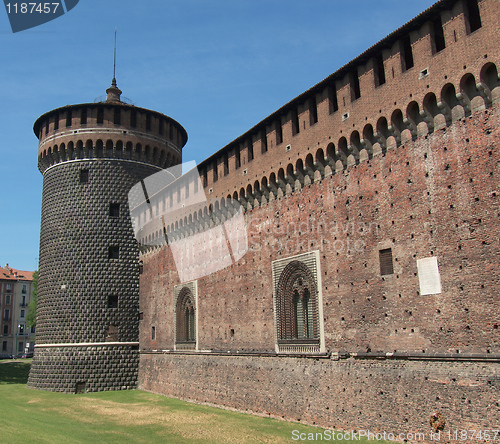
x=108 y=130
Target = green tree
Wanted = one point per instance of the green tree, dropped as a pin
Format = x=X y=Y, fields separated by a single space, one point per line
x=31 y=316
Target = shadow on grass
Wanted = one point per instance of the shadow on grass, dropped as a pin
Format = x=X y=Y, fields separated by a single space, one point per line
x=14 y=372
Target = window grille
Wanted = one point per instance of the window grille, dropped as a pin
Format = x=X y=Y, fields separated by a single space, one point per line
x=297 y=304
x=386 y=262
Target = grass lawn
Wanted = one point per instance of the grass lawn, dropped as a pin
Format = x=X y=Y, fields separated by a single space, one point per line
x=132 y=416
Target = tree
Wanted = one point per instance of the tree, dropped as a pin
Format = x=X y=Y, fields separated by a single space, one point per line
x=31 y=316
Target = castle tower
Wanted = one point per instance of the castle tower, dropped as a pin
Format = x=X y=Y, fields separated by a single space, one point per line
x=90 y=156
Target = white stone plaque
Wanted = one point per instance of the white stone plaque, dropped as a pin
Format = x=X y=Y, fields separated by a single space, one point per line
x=428 y=275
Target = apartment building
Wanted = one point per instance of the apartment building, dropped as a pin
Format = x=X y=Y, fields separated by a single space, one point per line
x=16 y=292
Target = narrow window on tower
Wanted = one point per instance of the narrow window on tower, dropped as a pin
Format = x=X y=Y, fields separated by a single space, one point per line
x=313 y=111
x=114 y=209
x=385 y=257
x=113 y=301
x=238 y=156
x=406 y=54
x=250 y=150
x=354 y=83
x=472 y=16
x=263 y=138
x=332 y=99
x=379 y=70
x=215 y=171
x=114 y=252
x=100 y=114
x=69 y=117
x=56 y=122
x=226 y=164
x=83 y=117
x=133 y=118
x=117 y=116
x=47 y=126
x=153 y=333
x=84 y=176
x=295 y=122
x=161 y=127
x=148 y=122
x=438 y=42
x=205 y=178
x=279 y=131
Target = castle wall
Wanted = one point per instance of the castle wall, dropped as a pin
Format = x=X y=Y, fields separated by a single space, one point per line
x=412 y=101
x=377 y=395
x=349 y=192
x=436 y=196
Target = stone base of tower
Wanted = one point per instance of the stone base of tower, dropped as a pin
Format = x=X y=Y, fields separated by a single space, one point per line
x=78 y=368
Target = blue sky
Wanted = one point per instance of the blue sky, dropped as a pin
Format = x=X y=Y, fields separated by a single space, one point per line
x=218 y=67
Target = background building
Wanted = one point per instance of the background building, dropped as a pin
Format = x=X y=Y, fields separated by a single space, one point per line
x=15 y=296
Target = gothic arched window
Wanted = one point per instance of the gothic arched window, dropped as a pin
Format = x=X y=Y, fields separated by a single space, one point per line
x=185 y=316
x=297 y=305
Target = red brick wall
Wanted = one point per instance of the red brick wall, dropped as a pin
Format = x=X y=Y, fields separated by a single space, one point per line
x=463 y=55
x=433 y=193
x=437 y=196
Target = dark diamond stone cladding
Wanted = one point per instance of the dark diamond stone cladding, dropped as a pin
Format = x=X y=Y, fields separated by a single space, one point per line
x=77 y=277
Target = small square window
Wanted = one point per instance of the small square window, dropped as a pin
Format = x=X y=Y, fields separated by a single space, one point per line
x=114 y=210
x=112 y=301
x=385 y=257
x=114 y=253
x=84 y=176
x=141 y=316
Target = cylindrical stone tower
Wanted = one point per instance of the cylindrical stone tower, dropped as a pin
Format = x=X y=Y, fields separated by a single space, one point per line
x=90 y=156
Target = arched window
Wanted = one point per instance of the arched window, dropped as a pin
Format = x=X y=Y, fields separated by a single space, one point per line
x=185 y=316
x=297 y=304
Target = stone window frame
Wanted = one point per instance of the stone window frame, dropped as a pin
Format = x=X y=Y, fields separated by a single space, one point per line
x=186 y=298
x=292 y=276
